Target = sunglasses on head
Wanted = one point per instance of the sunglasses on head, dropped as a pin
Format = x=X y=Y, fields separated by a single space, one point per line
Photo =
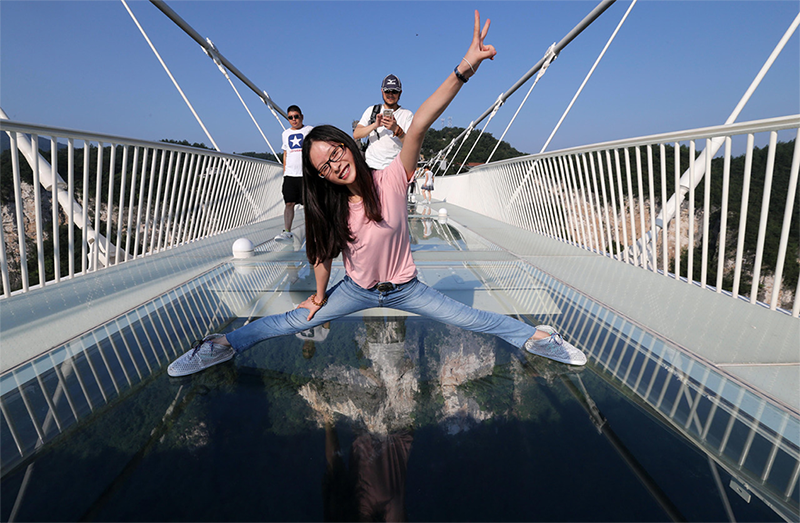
x=294 y=116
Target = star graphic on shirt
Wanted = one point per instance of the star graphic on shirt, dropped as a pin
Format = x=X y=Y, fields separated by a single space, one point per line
x=296 y=141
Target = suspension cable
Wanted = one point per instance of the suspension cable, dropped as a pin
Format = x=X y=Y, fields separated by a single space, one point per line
x=197 y=117
x=214 y=55
x=578 y=29
x=465 y=134
x=549 y=56
x=209 y=48
x=169 y=73
x=497 y=105
x=695 y=176
x=441 y=156
x=180 y=22
x=272 y=108
x=444 y=154
x=591 y=71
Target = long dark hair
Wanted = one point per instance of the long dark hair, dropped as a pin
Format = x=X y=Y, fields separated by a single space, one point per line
x=326 y=205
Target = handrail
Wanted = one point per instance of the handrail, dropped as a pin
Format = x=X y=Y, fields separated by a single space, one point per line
x=607 y=198
x=147 y=197
x=32 y=128
x=780 y=123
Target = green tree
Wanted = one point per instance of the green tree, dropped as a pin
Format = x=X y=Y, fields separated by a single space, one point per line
x=435 y=141
x=200 y=145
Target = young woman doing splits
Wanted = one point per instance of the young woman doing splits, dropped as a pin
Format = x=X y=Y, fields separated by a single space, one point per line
x=363 y=215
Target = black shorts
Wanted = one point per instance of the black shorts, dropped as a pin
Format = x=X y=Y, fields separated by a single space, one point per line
x=293 y=189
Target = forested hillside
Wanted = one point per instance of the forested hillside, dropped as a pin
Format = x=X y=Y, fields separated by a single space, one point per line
x=779 y=188
x=435 y=141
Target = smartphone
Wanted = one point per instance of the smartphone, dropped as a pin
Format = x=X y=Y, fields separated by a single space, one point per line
x=387 y=113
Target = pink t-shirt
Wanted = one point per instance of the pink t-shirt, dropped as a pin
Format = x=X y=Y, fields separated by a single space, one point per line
x=382 y=251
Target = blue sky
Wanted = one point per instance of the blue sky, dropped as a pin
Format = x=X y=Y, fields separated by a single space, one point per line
x=674 y=65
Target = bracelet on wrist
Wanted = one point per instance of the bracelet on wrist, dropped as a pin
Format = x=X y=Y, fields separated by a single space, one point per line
x=469 y=64
x=460 y=76
x=324 y=301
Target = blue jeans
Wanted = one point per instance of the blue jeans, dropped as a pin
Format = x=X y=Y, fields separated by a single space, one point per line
x=414 y=296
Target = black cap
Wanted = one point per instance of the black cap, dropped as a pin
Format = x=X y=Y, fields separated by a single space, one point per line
x=391 y=83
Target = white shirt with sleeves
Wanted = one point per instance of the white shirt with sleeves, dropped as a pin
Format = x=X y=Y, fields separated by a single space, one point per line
x=385 y=146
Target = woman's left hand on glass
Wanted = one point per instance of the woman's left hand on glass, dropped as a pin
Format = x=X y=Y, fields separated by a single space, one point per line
x=312 y=307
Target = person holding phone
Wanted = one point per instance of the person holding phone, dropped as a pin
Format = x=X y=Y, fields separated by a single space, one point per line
x=385 y=125
x=362 y=215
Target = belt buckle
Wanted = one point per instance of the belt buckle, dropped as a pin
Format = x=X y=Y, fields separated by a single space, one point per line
x=385 y=286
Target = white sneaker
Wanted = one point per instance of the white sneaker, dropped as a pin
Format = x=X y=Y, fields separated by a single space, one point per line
x=285 y=235
x=203 y=354
x=555 y=348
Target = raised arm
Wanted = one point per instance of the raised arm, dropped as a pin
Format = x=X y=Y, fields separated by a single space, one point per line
x=363 y=130
x=432 y=108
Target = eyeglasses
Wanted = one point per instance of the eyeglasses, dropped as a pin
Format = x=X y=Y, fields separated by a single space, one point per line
x=294 y=116
x=392 y=91
x=336 y=155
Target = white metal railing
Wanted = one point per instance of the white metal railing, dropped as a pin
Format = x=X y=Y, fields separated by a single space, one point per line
x=118 y=199
x=748 y=435
x=132 y=347
x=737 y=233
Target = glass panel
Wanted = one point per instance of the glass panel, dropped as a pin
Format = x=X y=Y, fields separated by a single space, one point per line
x=478 y=411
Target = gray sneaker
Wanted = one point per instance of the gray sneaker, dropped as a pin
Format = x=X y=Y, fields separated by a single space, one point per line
x=555 y=348
x=285 y=235
x=203 y=354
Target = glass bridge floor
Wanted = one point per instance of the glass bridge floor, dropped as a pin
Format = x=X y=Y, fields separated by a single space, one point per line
x=386 y=416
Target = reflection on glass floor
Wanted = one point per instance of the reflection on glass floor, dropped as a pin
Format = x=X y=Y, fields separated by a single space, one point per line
x=373 y=377
x=431 y=233
x=504 y=287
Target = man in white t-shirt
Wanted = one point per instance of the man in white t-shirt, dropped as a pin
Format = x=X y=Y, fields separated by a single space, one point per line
x=292 y=145
x=385 y=125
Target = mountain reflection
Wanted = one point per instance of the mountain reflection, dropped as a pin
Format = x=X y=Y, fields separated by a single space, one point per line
x=378 y=404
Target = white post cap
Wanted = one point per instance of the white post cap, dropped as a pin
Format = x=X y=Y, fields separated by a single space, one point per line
x=242 y=248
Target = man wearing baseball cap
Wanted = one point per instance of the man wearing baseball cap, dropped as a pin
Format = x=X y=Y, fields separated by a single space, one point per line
x=385 y=125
